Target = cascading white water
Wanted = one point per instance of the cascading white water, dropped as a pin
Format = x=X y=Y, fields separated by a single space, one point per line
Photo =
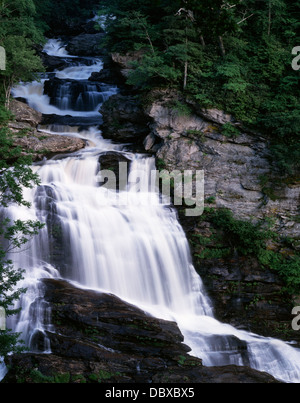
x=129 y=244
x=80 y=72
x=34 y=94
x=55 y=47
x=89 y=98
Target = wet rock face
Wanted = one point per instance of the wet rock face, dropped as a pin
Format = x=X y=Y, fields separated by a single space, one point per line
x=244 y=293
x=115 y=324
x=124 y=119
x=100 y=338
x=52 y=63
x=86 y=45
x=110 y=73
x=83 y=95
x=119 y=165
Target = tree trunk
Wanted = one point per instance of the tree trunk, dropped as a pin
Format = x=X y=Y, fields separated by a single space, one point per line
x=186 y=62
x=150 y=42
x=185 y=75
x=202 y=41
x=7 y=89
x=222 y=47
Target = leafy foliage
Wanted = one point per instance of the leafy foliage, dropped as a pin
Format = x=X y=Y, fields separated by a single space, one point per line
x=252 y=239
x=18 y=35
x=51 y=14
x=232 y=55
x=15 y=175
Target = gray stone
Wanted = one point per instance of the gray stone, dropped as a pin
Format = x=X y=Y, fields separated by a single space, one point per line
x=168 y=122
x=41 y=144
x=124 y=62
x=233 y=167
x=216 y=116
x=149 y=141
x=24 y=113
x=35 y=142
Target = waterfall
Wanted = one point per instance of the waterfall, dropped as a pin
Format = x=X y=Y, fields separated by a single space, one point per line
x=129 y=244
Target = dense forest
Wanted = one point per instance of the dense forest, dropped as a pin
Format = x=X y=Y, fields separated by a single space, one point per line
x=234 y=55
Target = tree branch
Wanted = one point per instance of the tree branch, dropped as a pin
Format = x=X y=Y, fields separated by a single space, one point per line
x=246 y=18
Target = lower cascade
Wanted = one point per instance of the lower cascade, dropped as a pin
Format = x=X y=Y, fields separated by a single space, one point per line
x=128 y=243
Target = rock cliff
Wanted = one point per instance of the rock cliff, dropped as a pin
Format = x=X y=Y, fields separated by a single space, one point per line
x=239 y=172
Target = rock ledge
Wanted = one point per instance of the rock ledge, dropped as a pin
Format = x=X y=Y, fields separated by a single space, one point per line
x=100 y=338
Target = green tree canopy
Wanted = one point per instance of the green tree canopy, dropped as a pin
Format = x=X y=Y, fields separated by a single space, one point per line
x=18 y=36
x=233 y=55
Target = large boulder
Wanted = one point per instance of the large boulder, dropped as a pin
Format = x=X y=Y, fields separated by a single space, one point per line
x=86 y=45
x=35 y=142
x=169 y=121
x=41 y=145
x=125 y=61
x=114 y=162
x=24 y=113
